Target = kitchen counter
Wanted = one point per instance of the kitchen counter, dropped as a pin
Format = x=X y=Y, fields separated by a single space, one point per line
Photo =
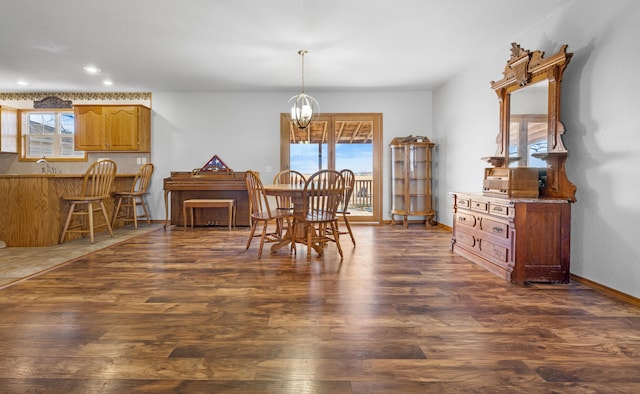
x=32 y=209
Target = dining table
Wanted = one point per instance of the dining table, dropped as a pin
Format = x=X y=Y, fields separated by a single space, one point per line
x=296 y=193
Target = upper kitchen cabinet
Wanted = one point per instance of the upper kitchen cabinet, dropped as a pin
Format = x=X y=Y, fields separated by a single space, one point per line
x=8 y=130
x=113 y=128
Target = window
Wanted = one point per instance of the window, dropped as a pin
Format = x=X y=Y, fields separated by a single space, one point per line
x=527 y=136
x=49 y=134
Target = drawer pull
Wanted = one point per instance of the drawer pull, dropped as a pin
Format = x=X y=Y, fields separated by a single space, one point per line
x=497 y=230
x=497 y=209
x=461 y=218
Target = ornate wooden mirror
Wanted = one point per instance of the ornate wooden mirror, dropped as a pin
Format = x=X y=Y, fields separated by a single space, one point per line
x=530 y=135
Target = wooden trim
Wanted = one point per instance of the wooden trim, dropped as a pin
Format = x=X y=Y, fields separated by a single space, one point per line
x=620 y=296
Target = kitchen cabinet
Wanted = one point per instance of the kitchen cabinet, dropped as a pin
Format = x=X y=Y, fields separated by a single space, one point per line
x=8 y=130
x=113 y=128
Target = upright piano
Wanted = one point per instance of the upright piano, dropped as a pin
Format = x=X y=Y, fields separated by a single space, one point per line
x=182 y=186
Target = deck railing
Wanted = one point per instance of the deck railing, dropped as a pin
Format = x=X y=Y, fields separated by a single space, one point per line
x=361 y=199
x=361 y=196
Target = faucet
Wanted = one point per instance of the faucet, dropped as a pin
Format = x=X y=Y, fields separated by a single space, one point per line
x=47 y=169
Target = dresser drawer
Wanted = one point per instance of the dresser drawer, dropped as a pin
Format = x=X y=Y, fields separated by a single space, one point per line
x=494 y=252
x=466 y=219
x=495 y=228
x=499 y=210
x=463 y=203
x=465 y=239
x=480 y=206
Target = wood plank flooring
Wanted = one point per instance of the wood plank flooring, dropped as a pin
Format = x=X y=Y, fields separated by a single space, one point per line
x=192 y=311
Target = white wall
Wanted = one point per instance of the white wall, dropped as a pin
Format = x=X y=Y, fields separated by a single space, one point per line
x=243 y=129
x=601 y=113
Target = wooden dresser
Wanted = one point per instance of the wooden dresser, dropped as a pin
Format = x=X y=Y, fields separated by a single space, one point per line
x=519 y=239
x=519 y=227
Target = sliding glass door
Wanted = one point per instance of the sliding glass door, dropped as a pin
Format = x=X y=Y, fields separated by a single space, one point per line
x=339 y=141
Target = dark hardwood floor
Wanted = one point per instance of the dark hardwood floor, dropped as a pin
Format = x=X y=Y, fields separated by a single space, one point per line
x=193 y=311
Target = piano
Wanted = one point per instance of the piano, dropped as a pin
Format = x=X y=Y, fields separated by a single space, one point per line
x=182 y=186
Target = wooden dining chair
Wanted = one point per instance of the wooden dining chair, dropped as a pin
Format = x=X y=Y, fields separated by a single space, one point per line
x=343 y=209
x=96 y=188
x=262 y=213
x=127 y=202
x=284 y=202
x=288 y=177
x=322 y=195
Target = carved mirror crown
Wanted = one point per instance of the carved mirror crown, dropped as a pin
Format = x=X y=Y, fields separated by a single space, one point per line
x=530 y=132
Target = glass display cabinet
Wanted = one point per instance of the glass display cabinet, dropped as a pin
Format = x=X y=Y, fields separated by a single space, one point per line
x=411 y=179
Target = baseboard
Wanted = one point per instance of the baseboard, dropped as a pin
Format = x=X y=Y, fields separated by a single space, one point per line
x=607 y=290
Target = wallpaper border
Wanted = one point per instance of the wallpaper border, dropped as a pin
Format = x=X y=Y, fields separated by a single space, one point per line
x=77 y=95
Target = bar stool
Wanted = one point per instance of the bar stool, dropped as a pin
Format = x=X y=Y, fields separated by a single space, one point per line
x=134 y=198
x=96 y=186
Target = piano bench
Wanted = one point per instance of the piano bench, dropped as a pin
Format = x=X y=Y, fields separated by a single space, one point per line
x=228 y=203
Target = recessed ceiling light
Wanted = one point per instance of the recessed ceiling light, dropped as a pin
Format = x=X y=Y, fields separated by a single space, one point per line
x=107 y=82
x=91 y=69
x=23 y=83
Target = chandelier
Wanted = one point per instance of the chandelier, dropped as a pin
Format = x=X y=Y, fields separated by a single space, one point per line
x=304 y=108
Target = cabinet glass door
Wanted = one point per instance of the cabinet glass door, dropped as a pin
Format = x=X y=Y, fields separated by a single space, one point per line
x=417 y=183
x=398 y=172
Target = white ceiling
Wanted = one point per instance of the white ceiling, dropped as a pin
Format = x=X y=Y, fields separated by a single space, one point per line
x=252 y=45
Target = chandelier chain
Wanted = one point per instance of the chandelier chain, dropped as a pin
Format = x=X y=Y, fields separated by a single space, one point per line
x=302 y=52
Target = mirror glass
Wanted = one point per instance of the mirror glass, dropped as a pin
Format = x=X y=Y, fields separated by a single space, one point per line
x=528 y=120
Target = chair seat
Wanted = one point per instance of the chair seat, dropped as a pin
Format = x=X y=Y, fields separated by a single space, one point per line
x=129 y=194
x=80 y=199
x=273 y=214
x=319 y=217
